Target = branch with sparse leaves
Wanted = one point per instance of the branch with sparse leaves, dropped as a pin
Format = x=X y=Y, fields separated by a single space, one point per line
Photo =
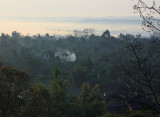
x=150 y=15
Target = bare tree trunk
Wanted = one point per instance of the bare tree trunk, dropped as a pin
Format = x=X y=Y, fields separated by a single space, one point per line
x=5 y=113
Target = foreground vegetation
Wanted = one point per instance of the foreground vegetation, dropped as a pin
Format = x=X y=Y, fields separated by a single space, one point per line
x=85 y=76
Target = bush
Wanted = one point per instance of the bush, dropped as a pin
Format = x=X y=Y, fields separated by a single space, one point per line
x=132 y=114
x=110 y=115
x=140 y=114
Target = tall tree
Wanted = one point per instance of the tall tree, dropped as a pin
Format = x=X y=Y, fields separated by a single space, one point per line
x=13 y=85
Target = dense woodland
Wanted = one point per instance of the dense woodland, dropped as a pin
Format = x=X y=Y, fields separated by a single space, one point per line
x=99 y=59
x=104 y=77
x=82 y=75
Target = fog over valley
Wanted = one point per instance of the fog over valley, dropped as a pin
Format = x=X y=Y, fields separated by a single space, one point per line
x=79 y=58
x=66 y=25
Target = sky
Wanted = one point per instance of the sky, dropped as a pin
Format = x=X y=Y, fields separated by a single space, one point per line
x=66 y=8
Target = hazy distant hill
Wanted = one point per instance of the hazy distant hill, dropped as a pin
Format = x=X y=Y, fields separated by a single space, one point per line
x=118 y=20
x=66 y=25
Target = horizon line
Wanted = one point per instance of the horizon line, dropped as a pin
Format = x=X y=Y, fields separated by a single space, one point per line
x=66 y=17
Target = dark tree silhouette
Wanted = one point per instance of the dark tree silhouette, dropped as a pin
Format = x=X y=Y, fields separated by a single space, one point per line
x=13 y=84
x=106 y=34
x=143 y=75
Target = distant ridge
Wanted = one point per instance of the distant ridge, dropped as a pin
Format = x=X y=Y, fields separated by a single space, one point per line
x=109 y=17
x=75 y=19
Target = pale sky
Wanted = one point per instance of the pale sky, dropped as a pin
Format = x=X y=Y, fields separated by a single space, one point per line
x=66 y=8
